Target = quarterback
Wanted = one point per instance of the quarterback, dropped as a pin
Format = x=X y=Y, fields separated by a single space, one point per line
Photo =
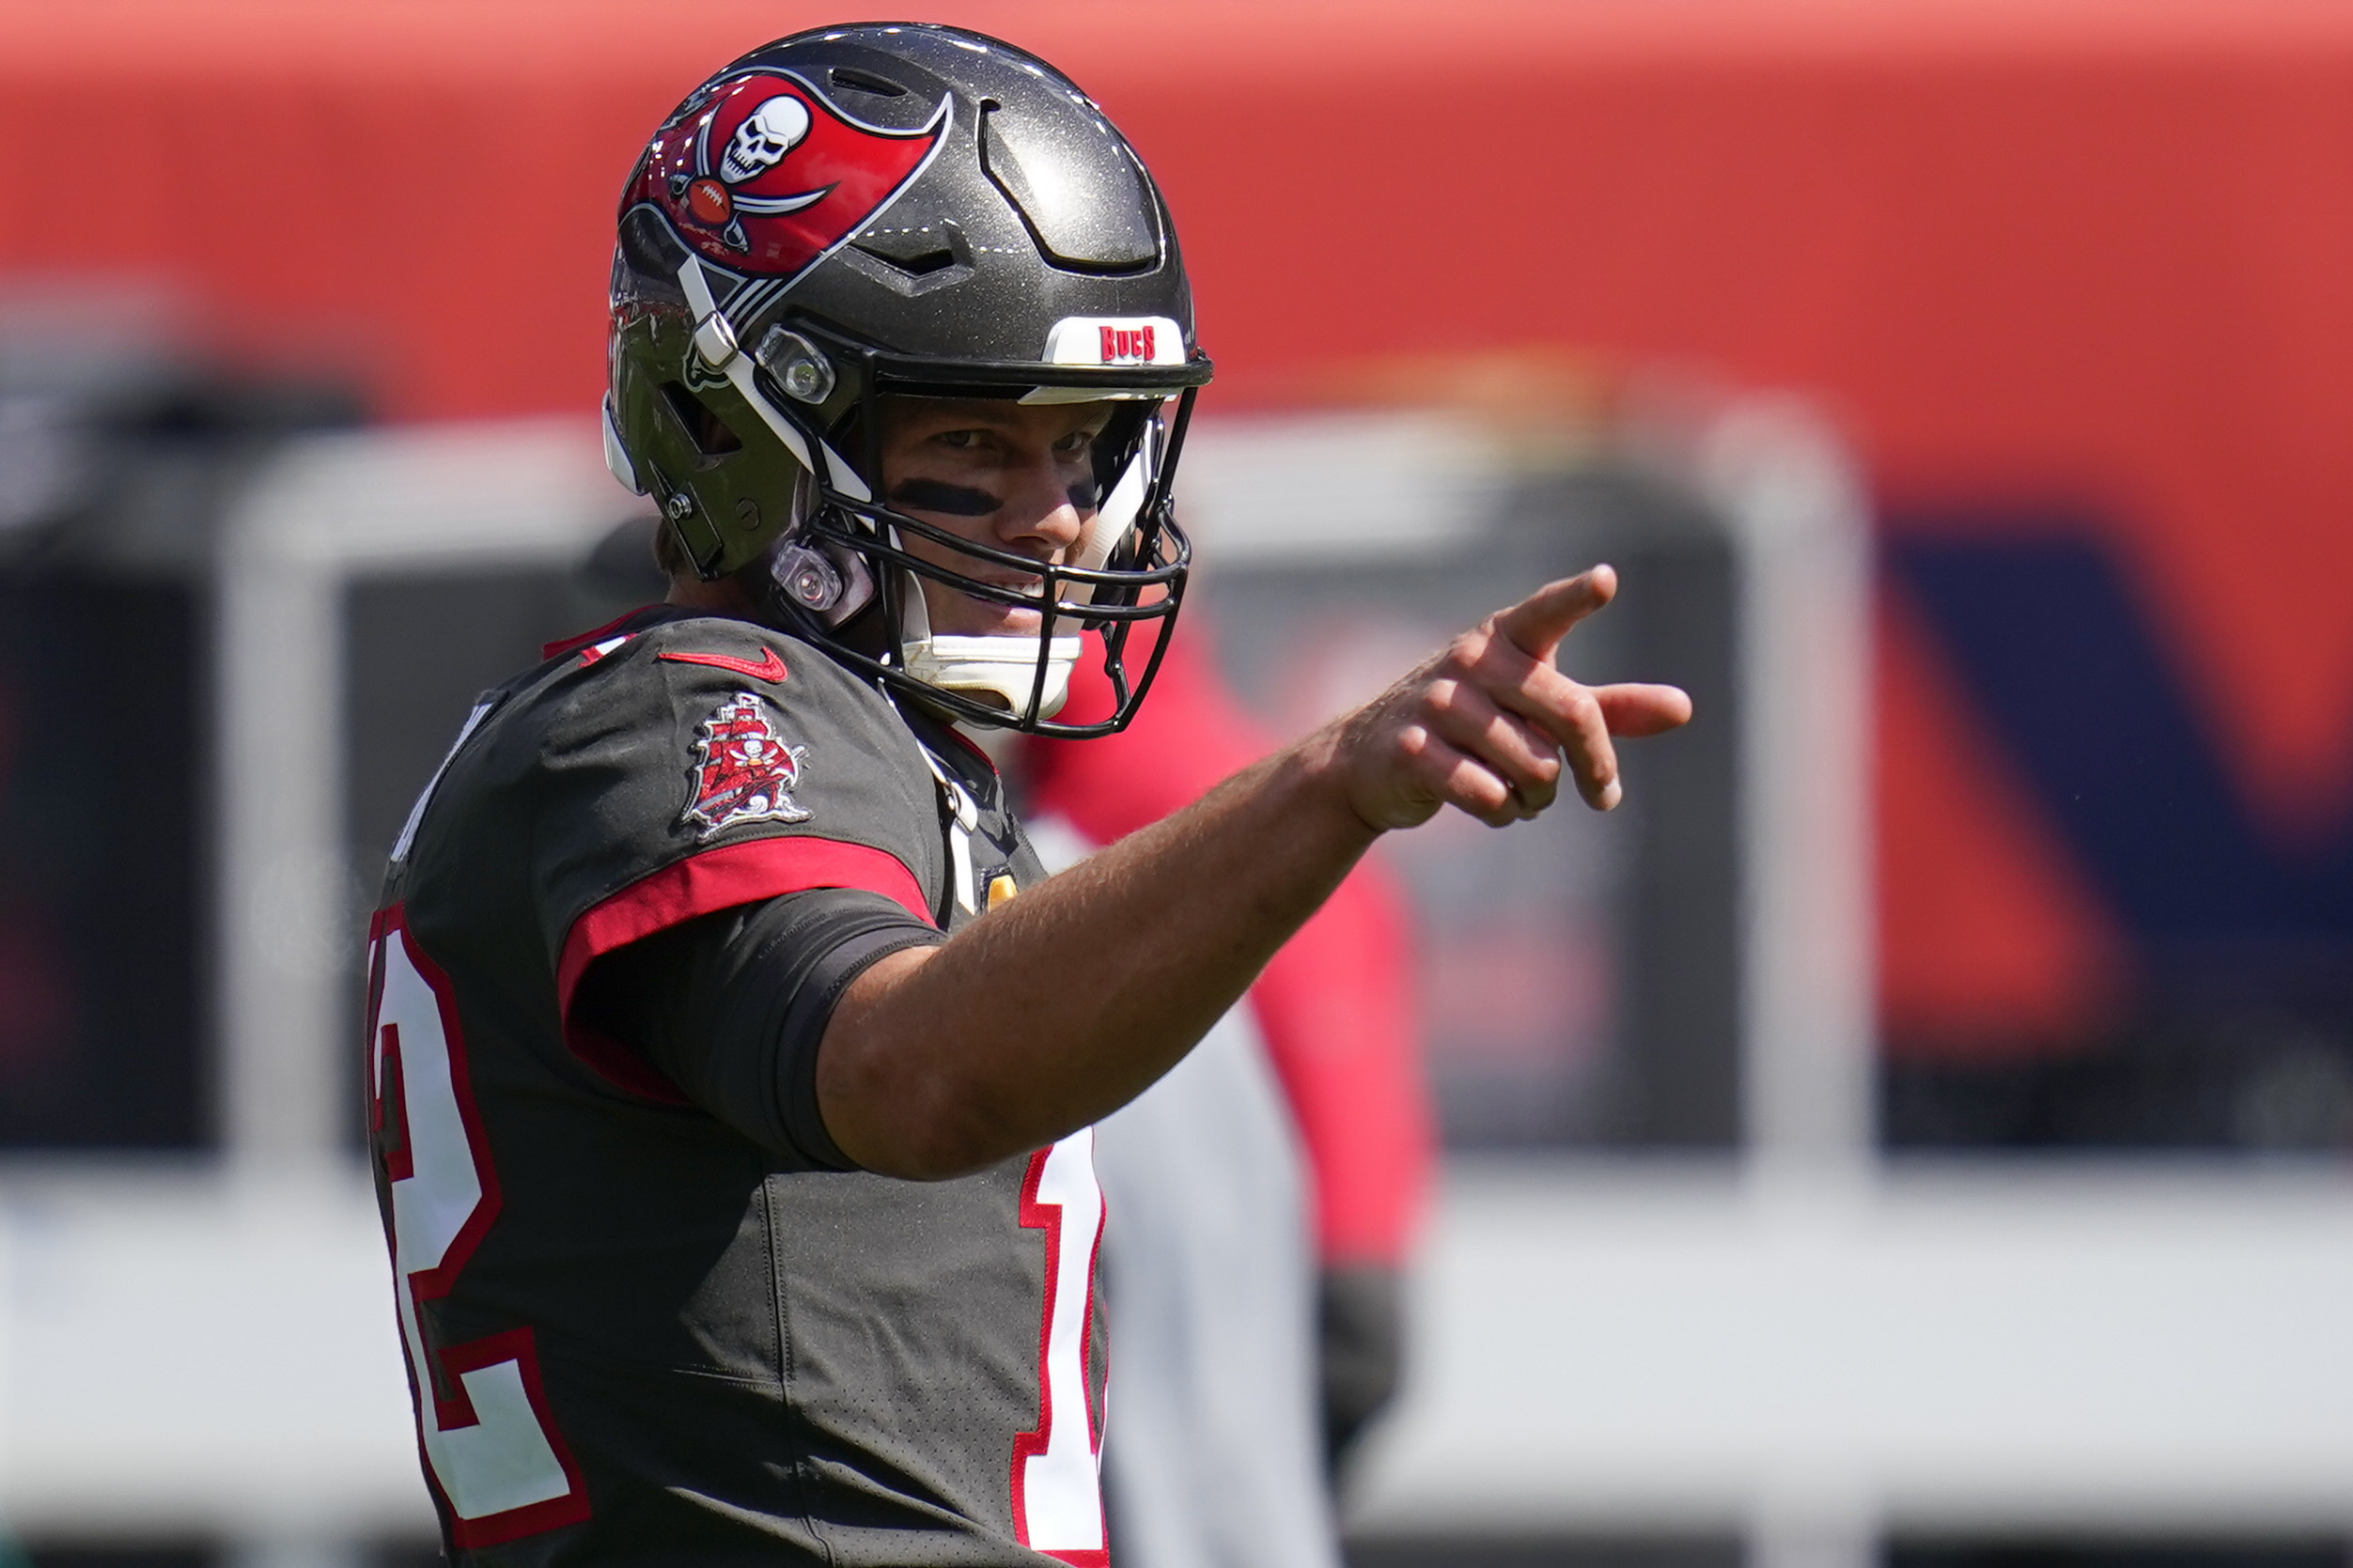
x=731 y=1061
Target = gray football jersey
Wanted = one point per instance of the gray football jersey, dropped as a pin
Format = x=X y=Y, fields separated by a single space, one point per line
x=634 y=1334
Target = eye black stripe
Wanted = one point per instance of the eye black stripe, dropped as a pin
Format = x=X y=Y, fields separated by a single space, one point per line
x=934 y=495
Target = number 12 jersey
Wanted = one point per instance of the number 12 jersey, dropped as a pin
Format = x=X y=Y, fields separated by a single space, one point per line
x=642 y=1323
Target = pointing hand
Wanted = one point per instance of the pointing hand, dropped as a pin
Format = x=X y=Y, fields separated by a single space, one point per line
x=1485 y=723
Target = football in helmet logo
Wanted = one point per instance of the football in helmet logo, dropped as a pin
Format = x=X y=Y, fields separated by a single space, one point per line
x=746 y=773
x=762 y=175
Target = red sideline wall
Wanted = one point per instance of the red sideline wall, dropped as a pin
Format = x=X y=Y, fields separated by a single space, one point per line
x=2097 y=249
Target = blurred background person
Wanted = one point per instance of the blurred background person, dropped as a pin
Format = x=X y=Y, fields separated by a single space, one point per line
x=1267 y=1190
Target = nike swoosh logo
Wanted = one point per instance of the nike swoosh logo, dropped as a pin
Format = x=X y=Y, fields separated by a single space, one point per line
x=767 y=667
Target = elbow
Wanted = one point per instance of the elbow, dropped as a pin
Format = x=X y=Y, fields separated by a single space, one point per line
x=925 y=1133
x=903 y=1096
x=904 y=1118
x=945 y=1145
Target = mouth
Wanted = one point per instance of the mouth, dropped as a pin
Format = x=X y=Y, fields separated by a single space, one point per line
x=1029 y=587
x=1028 y=584
x=974 y=616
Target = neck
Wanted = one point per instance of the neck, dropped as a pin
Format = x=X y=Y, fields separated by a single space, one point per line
x=725 y=597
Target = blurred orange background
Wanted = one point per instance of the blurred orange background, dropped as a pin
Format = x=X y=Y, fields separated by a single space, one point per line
x=2085 y=253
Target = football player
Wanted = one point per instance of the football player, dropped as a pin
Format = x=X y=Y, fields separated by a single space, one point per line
x=731 y=1062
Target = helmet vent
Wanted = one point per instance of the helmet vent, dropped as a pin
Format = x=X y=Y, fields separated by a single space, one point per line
x=920 y=255
x=1077 y=190
x=861 y=82
x=702 y=424
x=921 y=265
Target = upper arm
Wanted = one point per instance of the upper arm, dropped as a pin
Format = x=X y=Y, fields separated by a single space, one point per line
x=880 y=1121
x=670 y=788
x=733 y=1007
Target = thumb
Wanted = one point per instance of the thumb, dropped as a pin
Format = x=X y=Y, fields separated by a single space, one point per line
x=1537 y=624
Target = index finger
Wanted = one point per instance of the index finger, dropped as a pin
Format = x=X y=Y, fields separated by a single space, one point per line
x=1537 y=624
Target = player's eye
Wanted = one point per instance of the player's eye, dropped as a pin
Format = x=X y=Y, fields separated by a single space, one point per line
x=960 y=439
x=1075 y=444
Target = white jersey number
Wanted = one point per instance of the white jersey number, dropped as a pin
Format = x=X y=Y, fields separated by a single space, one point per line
x=1057 y=1487
x=492 y=1450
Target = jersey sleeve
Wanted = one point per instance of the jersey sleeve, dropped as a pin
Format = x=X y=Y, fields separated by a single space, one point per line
x=702 y=766
x=731 y=1007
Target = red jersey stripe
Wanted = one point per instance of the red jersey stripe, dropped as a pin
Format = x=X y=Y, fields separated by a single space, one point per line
x=701 y=884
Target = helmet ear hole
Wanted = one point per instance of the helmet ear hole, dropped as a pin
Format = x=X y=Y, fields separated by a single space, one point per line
x=701 y=421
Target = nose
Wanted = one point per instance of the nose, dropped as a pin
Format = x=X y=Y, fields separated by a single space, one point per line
x=1040 y=511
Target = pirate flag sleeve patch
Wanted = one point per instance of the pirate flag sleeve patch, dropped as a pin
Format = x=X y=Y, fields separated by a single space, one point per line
x=744 y=769
x=708 y=765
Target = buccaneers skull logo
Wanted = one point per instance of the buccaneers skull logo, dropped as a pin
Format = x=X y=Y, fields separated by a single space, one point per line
x=760 y=174
x=746 y=773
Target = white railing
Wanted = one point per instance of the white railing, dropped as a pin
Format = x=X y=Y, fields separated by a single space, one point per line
x=1807 y=1348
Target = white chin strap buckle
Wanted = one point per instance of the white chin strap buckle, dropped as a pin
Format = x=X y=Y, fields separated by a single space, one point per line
x=1004 y=668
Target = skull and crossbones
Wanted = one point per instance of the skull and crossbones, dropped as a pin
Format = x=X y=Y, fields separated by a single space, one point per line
x=772 y=129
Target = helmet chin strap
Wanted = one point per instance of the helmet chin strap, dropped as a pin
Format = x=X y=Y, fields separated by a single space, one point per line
x=1005 y=666
x=1115 y=517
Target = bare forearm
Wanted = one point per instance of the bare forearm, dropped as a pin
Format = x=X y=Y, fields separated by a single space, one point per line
x=1057 y=1008
x=1061 y=1006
